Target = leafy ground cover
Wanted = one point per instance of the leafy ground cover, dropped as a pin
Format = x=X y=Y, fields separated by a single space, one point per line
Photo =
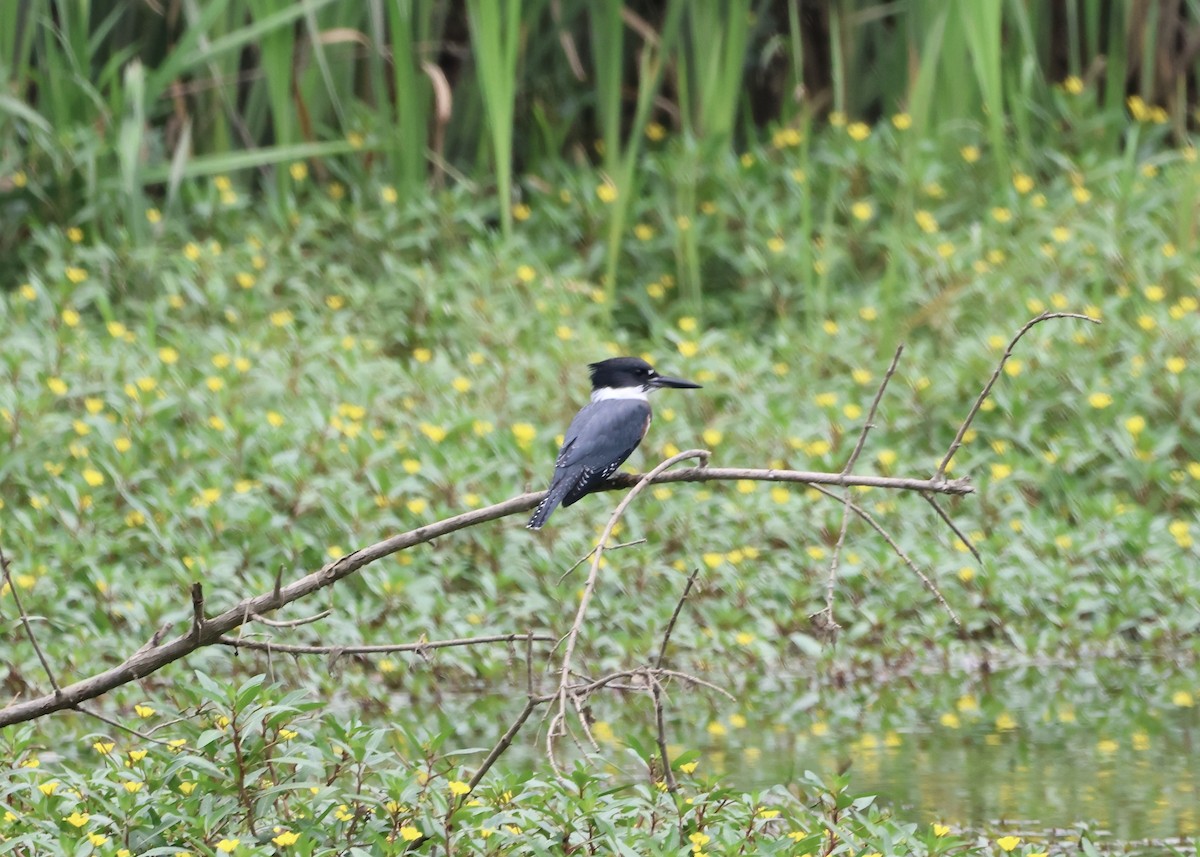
x=249 y=392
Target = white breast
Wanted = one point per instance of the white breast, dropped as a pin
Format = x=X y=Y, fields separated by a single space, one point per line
x=605 y=393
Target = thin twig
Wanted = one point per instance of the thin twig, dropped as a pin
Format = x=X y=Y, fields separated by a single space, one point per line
x=588 y=555
x=940 y=473
x=12 y=587
x=662 y=649
x=845 y=525
x=661 y=735
x=285 y=649
x=292 y=623
x=875 y=525
x=505 y=741
x=118 y=725
x=937 y=507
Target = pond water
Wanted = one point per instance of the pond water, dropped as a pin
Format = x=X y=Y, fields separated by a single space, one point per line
x=1107 y=744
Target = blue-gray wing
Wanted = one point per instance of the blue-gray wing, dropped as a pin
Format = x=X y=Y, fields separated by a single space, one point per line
x=598 y=441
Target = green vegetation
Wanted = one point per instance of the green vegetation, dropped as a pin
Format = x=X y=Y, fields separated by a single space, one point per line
x=250 y=324
x=236 y=396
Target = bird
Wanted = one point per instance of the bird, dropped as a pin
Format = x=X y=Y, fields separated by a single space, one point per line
x=605 y=431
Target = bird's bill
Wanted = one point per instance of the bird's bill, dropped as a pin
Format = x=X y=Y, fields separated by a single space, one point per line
x=678 y=383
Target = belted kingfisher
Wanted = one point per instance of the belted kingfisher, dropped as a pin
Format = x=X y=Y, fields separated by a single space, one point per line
x=605 y=431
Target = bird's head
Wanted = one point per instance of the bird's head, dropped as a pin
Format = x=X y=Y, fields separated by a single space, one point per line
x=632 y=374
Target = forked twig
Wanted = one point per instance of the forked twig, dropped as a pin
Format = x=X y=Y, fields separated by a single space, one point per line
x=559 y=720
x=899 y=551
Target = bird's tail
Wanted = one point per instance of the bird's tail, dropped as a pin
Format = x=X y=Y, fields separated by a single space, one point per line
x=553 y=497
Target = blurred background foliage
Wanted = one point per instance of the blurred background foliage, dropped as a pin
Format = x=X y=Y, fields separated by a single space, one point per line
x=107 y=106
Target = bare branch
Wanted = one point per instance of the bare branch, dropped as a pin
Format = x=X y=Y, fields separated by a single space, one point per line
x=940 y=473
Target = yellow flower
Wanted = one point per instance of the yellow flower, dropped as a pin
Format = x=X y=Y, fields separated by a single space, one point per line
x=945 y=249
x=970 y=154
x=411 y=466
x=564 y=332
x=902 y=121
x=137 y=755
x=460 y=384
x=132 y=786
x=187 y=788
x=1100 y=400
x=858 y=131
x=949 y=720
x=422 y=355
x=526 y=274
x=1001 y=214
x=862 y=210
x=214 y=383
x=524 y=433
x=76 y=275
x=282 y=318
x=926 y=221
x=410 y=834
x=886 y=457
x=93 y=477
x=655 y=131
x=1005 y=722
x=1023 y=183
x=1081 y=194
x=521 y=212
x=288 y=837
x=143 y=711
x=607 y=192
x=417 y=505
x=688 y=348
x=776 y=244
x=1008 y=843
x=48 y=788
x=227 y=846
x=1135 y=425
x=699 y=840
x=97 y=839
x=275 y=418
x=458 y=788
x=435 y=433
x=711 y=437
x=1182 y=699
x=77 y=819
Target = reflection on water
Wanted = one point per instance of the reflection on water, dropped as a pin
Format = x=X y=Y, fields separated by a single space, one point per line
x=1108 y=744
